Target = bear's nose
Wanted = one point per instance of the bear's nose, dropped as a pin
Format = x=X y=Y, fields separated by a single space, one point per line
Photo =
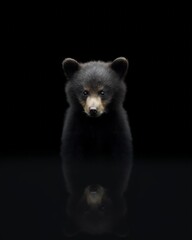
x=93 y=111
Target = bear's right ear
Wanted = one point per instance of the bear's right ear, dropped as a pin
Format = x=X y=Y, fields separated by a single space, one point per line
x=120 y=66
x=70 y=66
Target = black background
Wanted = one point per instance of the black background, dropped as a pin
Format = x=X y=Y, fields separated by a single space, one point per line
x=155 y=39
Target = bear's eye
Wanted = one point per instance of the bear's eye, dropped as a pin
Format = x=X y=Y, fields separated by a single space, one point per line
x=101 y=93
x=85 y=93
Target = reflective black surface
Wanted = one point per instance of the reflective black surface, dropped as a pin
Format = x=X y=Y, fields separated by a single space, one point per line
x=34 y=198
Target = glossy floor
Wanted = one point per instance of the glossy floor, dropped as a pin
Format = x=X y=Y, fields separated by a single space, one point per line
x=33 y=197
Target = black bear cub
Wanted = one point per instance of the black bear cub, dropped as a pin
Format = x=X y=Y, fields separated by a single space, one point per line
x=96 y=146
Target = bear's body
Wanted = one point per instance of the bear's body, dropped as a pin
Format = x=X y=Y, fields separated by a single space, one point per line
x=96 y=142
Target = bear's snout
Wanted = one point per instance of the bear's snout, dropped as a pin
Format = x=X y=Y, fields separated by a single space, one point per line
x=93 y=106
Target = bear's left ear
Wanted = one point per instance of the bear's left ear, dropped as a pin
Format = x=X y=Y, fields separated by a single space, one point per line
x=70 y=66
x=120 y=66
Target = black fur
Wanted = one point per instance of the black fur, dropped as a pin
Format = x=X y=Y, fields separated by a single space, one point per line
x=96 y=150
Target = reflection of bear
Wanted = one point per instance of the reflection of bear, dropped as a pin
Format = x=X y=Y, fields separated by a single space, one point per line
x=96 y=146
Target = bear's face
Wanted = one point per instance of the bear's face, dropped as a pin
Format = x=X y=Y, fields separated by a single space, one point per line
x=95 y=97
x=95 y=86
x=95 y=212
